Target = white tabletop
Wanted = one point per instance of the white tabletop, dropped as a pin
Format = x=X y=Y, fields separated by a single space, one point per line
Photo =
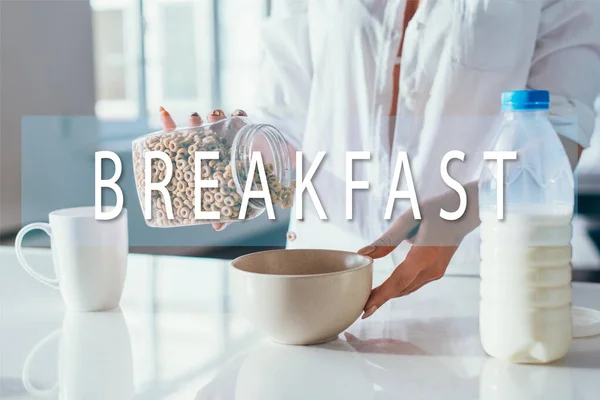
x=177 y=337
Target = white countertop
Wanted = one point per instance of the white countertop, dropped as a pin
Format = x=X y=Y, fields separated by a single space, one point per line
x=177 y=337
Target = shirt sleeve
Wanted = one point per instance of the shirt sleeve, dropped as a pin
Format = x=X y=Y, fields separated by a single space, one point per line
x=566 y=62
x=285 y=71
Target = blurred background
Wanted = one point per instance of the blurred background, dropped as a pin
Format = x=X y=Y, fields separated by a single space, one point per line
x=83 y=76
x=79 y=76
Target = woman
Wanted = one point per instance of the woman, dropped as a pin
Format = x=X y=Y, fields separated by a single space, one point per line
x=423 y=77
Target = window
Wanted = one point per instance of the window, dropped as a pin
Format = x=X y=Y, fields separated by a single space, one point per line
x=110 y=52
x=116 y=48
x=188 y=55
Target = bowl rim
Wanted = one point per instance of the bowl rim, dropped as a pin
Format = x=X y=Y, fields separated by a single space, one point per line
x=287 y=276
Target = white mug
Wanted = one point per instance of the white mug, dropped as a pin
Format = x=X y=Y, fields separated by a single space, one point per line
x=94 y=360
x=89 y=257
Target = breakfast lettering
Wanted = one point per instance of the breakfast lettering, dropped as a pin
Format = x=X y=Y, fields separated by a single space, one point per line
x=207 y=186
x=110 y=183
x=189 y=176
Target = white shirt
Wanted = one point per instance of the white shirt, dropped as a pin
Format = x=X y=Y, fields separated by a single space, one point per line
x=326 y=82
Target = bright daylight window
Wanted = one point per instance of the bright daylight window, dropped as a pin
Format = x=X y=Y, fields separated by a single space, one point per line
x=188 y=55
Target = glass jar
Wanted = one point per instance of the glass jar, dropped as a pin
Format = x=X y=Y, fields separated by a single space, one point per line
x=235 y=139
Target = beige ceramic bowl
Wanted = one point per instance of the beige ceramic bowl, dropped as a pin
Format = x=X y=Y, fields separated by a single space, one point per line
x=302 y=296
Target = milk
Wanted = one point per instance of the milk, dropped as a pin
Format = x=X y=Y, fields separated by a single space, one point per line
x=525 y=308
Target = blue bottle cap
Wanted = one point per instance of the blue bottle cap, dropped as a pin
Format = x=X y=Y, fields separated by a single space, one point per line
x=526 y=100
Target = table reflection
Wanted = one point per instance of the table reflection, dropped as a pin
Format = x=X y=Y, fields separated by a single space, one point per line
x=95 y=359
x=502 y=380
x=274 y=371
x=417 y=371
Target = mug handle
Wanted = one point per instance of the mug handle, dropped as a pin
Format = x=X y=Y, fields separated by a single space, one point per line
x=26 y=366
x=52 y=282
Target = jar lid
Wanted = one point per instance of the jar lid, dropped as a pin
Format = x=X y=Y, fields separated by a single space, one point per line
x=586 y=322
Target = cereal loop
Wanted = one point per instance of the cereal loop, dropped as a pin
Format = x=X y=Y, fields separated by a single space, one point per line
x=208 y=197
x=177 y=203
x=229 y=201
x=184 y=212
x=180 y=164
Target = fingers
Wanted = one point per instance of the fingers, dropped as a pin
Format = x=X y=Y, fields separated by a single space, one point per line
x=400 y=279
x=195 y=120
x=417 y=284
x=423 y=265
x=167 y=122
x=370 y=308
x=219 y=226
x=400 y=230
x=216 y=115
x=436 y=260
x=239 y=113
x=376 y=251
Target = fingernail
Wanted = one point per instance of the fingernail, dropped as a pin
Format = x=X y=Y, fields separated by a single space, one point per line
x=217 y=113
x=365 y=251
x=164 y=112
x=239 y=113
x=369 y=312
x=194 y=114
x=166 y=119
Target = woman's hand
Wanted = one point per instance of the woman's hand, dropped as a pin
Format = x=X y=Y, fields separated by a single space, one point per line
x=434 y=244
x=168 y=124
